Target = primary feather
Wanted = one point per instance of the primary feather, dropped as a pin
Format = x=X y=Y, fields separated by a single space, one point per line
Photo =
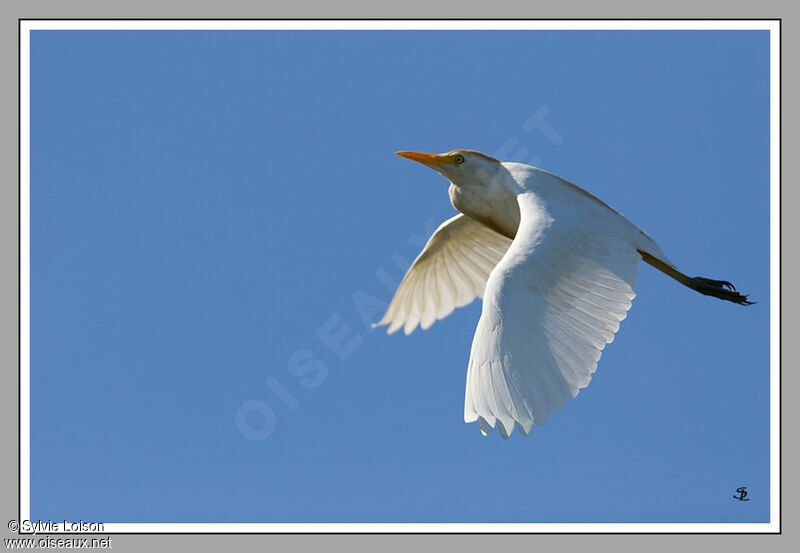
x=450 y=272
x=550 y=306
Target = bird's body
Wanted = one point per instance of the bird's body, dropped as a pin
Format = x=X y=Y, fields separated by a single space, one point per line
x=556 y=268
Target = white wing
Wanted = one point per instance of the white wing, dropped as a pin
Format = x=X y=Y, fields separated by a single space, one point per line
x=450 y=272
x=550 y=307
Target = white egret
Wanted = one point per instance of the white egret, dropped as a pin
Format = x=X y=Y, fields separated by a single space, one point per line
x=556 y=268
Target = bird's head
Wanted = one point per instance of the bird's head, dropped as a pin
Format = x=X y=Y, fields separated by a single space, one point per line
x=459 y=166
x=479 y=187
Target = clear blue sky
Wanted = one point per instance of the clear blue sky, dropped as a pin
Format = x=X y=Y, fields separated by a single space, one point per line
x=204 y=202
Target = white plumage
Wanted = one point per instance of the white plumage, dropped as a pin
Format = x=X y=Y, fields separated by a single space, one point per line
x=552 y=298
x=450 y=272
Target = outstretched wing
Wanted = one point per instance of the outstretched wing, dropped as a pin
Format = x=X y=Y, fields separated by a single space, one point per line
x=550 y=307
x=450 y=272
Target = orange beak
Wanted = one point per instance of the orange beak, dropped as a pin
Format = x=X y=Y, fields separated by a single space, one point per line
x=431 y=160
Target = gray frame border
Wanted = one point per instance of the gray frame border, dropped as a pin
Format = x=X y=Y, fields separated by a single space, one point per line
x=11 y=237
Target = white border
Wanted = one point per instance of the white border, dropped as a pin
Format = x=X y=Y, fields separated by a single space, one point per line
x=772 y=26
x=24 y=276
x=401 y=25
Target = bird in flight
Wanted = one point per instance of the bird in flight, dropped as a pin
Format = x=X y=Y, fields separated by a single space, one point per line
x=556 y=268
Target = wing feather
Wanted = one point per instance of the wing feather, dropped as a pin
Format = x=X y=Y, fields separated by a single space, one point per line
x=551 y=305
x=450 y=272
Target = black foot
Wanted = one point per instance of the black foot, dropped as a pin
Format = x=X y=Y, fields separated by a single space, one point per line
x=721 y=289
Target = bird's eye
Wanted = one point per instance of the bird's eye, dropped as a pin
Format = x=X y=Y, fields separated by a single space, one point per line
x=459 y=159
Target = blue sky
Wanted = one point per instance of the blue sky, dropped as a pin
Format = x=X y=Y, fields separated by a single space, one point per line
x=212 y=210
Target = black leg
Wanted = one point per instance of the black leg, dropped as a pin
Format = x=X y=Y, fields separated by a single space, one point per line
x=721 y=289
